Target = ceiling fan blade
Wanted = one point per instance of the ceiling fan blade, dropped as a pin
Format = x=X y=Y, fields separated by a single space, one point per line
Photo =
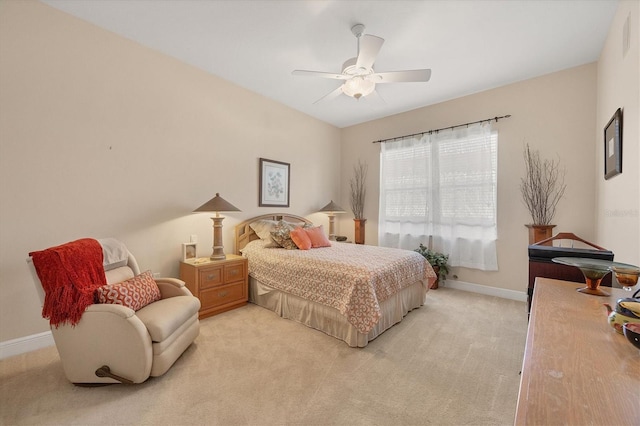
x=375 y=98
x=331 y=95
x=408 y=76
x=321 y=74
x=369 y=46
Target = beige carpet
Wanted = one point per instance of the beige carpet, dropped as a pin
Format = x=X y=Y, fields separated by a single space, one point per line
x=454 y=361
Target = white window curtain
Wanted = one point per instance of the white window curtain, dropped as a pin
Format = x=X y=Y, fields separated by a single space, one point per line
x=442 y=185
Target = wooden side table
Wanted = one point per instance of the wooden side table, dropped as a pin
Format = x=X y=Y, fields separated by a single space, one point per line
x=577 y=369
x=221 y=285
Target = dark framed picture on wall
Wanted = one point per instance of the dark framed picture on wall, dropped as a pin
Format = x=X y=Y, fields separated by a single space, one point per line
x=274 y=183
x=613 y=146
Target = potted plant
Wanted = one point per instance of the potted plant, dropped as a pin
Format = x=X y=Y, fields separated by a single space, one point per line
x=542 y=187
x=356 y=199
x=438 y=262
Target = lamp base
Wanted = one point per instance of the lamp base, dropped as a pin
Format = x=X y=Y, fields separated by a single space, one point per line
x=218 y=249
x=218 y=253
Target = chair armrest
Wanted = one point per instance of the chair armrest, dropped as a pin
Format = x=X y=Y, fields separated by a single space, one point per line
x=111 y=308
x=171 y=287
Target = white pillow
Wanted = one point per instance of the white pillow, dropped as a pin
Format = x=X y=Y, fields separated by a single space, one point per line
x=263 y=228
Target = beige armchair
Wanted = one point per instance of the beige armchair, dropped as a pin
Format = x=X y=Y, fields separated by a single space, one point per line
x=113 y=343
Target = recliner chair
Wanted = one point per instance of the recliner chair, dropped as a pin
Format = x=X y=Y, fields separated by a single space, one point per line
x=113 y=343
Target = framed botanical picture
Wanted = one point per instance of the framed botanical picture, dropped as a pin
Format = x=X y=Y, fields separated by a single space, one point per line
x=189 y=251
x=613 y=145
x=274 y=183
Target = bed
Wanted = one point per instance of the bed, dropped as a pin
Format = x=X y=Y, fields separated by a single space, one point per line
x=348 y=291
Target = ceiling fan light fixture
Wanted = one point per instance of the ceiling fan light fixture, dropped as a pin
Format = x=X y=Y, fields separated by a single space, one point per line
x=358 y=87
x=358 y=75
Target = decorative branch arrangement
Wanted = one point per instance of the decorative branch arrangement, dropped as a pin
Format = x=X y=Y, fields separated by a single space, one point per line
x=542 y=187
x=358 y=190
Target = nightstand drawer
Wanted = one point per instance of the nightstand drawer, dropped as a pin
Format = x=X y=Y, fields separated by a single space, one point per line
x=214 y=297
x=211 y=277
x=221 y=285
x=233 y=272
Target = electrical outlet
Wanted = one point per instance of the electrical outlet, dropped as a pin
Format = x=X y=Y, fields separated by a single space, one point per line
x=193 y=238
x=156 y=275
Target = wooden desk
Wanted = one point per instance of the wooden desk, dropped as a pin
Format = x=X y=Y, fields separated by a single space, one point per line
x=577 y=370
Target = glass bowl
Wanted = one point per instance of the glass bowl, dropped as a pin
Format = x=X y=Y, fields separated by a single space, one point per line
x=626 y=276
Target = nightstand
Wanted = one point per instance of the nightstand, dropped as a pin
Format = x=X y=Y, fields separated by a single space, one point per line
x=221 y=285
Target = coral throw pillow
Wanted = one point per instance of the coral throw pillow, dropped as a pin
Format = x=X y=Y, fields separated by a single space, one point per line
x=317 y=237
x=134 y=293
x=300 y=238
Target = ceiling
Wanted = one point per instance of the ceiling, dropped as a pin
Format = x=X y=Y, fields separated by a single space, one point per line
x=469 y=45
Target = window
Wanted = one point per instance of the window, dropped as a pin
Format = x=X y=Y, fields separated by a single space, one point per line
x=442 y=185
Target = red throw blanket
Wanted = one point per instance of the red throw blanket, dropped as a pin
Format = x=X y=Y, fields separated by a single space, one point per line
x=69 y=274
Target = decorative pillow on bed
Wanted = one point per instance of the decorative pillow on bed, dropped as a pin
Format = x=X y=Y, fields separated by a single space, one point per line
x=299 y=224
x=134 y=293
x=300 y=238
x=281 y=235
x=317 y=237
x=263 y=228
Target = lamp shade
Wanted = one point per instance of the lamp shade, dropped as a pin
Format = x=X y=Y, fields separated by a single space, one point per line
x=332 y=208
x=217 y=204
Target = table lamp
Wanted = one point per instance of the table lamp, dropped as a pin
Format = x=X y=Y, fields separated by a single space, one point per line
x=217 y=204
x=331 y=209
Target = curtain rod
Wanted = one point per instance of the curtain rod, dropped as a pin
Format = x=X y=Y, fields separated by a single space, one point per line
x=444 y=128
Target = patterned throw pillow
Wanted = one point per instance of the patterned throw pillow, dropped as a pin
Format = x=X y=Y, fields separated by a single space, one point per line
x=134 y=293
x=281 y=235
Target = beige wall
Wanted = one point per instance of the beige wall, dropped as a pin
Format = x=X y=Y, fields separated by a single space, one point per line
x=617 y=206
x=102 y=137
x=554 y=113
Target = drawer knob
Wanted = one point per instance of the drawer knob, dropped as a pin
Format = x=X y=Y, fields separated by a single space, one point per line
x=223 y=293
x=210 y=277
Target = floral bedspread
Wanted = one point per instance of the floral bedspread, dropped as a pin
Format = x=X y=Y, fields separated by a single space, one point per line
x=351 y=278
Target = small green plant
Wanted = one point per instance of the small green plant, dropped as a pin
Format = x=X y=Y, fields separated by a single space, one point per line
x=435 y=259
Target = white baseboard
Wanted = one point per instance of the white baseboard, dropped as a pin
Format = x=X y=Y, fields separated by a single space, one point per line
x=26 y=344
x=520 y=296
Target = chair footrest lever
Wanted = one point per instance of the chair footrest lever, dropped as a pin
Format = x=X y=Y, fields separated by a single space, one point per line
x=105 y=371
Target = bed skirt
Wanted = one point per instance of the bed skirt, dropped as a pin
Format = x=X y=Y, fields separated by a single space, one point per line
x=329 y=320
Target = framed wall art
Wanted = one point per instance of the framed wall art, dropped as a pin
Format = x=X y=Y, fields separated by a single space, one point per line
x=274 y=183
x=189 y=251
x=613 y=145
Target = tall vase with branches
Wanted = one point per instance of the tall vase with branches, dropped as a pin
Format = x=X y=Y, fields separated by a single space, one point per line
x=542 y=187
x=357 y=197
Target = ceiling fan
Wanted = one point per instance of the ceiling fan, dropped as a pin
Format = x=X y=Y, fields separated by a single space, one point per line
x=358 y=74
